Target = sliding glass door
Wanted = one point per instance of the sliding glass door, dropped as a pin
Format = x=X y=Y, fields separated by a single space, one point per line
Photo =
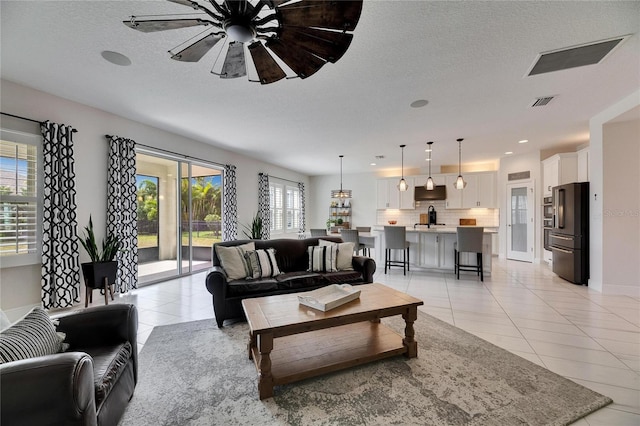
x=179 y=215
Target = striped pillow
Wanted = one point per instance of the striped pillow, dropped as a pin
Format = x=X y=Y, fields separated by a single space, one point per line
x=232 y=260
x=323 y=258
x=32 y=336
x=262 y=263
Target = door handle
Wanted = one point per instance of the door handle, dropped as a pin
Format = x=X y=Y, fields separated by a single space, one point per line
x=562 y=238
x=562 y=250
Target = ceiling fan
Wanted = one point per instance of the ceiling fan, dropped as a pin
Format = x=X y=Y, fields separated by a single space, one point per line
x=303 y=34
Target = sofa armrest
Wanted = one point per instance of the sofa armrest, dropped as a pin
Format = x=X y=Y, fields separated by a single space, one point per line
x=217 y=281
x=366 y=266
x=102 y=325
x=53 y=389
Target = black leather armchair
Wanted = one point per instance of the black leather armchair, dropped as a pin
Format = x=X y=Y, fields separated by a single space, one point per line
x=89 y=384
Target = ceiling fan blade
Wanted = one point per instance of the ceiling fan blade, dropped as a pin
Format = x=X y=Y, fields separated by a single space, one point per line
x=329 y=45
x=197 y=50
x=234 y=64
x=337 y=15
x=152 y=25
x=268 y=69
x=303 y=63
x=239 y=7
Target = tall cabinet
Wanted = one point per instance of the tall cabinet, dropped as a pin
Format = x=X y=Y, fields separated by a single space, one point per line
x=558 y=170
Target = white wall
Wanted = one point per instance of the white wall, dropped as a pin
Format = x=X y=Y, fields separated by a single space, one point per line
x=364 y=193
x=21 y=286
x=601 y=240
x=513 y=164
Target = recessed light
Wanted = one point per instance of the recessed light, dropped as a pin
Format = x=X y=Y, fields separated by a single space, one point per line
x=508 y=153
x=523 y=141
x=116 y=58
x=419 y=103
x=372 y=164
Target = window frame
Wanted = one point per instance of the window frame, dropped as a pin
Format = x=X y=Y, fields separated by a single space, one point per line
x=285 y=209
x=32 y=139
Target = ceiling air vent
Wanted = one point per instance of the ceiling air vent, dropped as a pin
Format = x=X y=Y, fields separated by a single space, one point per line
x=542 y=101
x=576 y=56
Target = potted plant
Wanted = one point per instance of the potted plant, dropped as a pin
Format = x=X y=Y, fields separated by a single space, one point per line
x=254 y=230
x=102 y=263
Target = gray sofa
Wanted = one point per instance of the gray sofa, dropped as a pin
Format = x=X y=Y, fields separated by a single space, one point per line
x=293 y=260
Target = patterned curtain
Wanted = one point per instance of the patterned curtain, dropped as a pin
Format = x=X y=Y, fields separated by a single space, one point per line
x=60 y=257
x=264 y=207
x=230 y=207
x=303 y=226
x=122 y=209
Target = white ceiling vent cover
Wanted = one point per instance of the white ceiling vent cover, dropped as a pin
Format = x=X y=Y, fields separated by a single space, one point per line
x=575 y=56
x=542 y=101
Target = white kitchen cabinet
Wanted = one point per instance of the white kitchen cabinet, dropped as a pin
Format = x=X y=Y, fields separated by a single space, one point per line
x=429 y=256
x=479 y=192
x=447 y=241
x=558 y=170
x=390 y=197
x=583 y=165
x=454 y=196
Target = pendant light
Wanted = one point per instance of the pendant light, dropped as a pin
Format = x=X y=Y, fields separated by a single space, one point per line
x=341 y=193
x=402 y=185
x=429 y=185
x=459 y=183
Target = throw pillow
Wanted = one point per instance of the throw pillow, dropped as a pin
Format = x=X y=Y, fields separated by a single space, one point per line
x=262 y=263
x=4 y=321
x=345 y=254
x=323 y=258
x=32 y=336
x=233 y=262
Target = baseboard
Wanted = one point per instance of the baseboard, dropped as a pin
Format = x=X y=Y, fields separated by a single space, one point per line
x=621 y=290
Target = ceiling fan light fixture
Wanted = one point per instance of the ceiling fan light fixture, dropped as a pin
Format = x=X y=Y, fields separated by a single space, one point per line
x=402 y=185
x=239 y=32
x=460 y=182
x=429 y=186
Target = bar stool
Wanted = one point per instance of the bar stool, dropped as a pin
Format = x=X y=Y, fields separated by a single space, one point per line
x=469 y=240
x=318 y=232
x=395 y=238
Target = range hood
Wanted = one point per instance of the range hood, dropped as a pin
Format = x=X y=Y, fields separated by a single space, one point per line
x=439 y=192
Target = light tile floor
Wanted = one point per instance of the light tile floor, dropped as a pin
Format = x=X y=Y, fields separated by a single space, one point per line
x=590 y=338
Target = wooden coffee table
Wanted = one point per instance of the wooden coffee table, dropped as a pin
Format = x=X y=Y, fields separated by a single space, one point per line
x=290 y=342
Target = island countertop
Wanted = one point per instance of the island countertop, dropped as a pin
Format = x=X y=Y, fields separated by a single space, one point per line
x=438 y=229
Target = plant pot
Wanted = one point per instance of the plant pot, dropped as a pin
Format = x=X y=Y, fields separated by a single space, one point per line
x=95 y=272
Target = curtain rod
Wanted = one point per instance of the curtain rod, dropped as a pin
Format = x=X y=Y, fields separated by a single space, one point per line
x=166 y=151
x=30 y=119
x=276 y=177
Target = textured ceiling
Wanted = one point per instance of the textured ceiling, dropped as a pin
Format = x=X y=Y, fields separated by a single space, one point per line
x=468 y=59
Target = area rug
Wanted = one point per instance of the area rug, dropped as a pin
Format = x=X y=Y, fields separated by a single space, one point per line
x=196 y=374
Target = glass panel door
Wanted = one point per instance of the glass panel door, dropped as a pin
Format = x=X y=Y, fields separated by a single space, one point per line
x=156 y=181
x=179 y=216
x=520 y=222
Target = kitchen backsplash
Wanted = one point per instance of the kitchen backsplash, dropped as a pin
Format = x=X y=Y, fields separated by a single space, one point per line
x=484 y=217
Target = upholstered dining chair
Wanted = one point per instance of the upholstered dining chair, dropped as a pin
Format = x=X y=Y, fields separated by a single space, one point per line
x=351 y=236
x=395 y=238
x=318 y=232
x=469 y=240
x=368 y=245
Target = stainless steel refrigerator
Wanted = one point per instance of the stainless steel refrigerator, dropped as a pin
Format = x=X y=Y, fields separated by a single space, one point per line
x=569 y=236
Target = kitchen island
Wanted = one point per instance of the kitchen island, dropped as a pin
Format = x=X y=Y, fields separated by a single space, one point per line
x=432 y=248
